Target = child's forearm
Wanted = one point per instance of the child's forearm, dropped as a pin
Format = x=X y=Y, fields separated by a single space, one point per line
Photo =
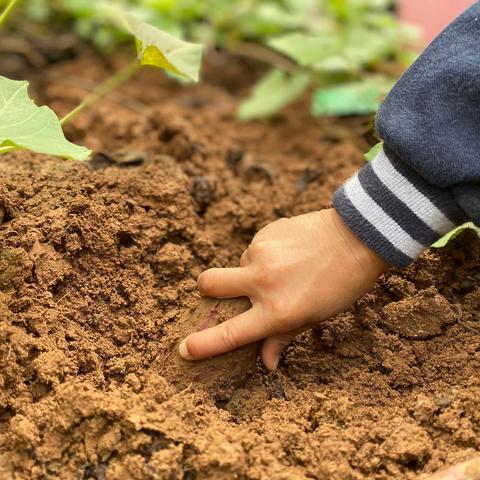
x=428 y=178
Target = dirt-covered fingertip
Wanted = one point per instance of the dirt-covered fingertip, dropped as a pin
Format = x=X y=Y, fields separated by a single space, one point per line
x=270 y=359
x=272 y=364
x=203 y=282
x=183 y=351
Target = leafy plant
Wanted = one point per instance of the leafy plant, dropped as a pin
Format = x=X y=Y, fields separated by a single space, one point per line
x=332 y=42
x=342 y=54
x=274 y=92
x=162 y=50
x=24 y=125
x=356 y=98
x=155 y=48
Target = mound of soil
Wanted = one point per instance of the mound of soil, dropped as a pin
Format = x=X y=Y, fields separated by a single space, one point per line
x=99 y=260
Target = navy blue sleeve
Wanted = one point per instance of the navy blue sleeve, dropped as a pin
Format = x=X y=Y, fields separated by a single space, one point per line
x=431 y=119
x=427 y=179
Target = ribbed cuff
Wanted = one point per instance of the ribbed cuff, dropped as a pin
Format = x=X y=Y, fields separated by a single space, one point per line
x=395 y=211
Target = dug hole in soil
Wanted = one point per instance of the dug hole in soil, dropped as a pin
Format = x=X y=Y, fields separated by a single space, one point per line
x=98 y=264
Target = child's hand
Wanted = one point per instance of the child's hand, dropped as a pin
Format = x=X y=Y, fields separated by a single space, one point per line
x=296 y=273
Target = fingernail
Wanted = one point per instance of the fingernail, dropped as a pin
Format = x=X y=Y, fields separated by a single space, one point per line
x=183 y=351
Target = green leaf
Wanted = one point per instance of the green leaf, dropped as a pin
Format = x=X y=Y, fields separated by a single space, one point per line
x=24 y=125
x=339 y=8
x=357 y=98
x=306 y=49
x=363 y=47
x=333 y=64
x=162 y=50
x=373 y=152
x=455 y=233
x=274 y=92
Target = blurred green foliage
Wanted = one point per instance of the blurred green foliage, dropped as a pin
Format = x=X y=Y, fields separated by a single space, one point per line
x=328 y=42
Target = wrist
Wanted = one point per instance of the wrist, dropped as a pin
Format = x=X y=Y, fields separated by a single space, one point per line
x=365 y=257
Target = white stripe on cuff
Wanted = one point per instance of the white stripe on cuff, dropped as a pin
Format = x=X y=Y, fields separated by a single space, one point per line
x=408 y=194
x=377 y=217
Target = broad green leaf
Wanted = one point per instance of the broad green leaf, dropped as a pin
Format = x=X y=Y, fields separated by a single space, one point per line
x=363 y=47
x=350 y=99
x=333 y=64
x=162 y=50
x=454 y=233
x=274 y=92
x=276 y=18
x=371 y=155
x=24 y=125
x=339 y=8
x=306 y=49
x=336 y=50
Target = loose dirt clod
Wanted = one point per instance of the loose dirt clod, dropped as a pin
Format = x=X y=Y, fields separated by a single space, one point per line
x=216 y=374
x=421 y=316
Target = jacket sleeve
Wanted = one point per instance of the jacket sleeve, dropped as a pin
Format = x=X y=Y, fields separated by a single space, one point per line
x=426 y=180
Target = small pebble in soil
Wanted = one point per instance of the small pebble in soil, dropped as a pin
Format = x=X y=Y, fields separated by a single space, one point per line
x=274 y=386
x=308 y=176
x=203 y=190
x=234 y=157
x=470 y=280
x=258 y=171
x=94 y=472
x=195 y=102
x=101 y=160
x=421 y=316
x=168 y=133
x=443 y=402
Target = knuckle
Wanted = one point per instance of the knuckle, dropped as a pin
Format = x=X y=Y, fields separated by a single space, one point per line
x=280 y=310
x=269 y=272
x=257 y=250
x=263 y=276
x=278 y=265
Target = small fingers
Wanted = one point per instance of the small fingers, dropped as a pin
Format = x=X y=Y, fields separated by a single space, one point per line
x=241 y=330
x=274 y=346
x=224 y=282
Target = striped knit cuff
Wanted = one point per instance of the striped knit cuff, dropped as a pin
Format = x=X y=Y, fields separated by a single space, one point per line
x=395 y=211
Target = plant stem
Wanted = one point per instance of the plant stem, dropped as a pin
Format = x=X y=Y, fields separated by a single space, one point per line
x=103 y=89
x=7 y=11
x=7 y=149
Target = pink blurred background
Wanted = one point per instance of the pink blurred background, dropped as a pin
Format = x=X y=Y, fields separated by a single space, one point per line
x=432 y=15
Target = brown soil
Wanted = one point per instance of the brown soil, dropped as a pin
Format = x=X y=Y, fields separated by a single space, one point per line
x=98 y=262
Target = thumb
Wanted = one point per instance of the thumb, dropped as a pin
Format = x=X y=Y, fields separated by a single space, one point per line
x=273 y=348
